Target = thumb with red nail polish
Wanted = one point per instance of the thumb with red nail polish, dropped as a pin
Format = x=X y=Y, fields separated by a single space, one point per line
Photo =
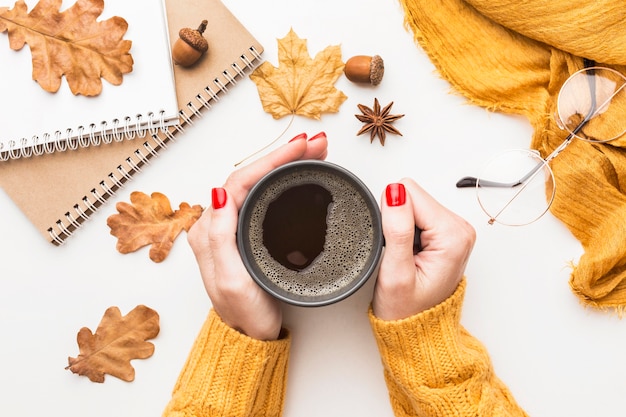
x=218 y=198
x=395 y=194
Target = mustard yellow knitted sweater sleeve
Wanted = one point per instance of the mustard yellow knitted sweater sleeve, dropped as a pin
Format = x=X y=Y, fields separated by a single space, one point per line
x=434 y=368
x=230 y=374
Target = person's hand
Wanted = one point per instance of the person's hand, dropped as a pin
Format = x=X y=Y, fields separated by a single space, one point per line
x=410 y=283
x=238 y=300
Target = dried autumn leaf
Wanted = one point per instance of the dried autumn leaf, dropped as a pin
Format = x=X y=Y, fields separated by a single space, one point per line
x=115 y=343
x=150 y=220
x=70 y=43
x=300 y=85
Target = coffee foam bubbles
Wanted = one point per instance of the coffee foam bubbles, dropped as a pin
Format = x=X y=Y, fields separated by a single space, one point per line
x=349 y=237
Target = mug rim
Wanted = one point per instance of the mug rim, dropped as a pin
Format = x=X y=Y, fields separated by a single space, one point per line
x=266 y=283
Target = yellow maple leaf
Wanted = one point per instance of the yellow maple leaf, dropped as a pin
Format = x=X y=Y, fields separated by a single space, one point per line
x=150 y=220
x=300 y=85
x=71 y=43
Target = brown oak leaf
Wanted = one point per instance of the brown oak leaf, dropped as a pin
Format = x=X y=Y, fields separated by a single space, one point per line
x=115 y=343
x=300 y=85
x=71 y=43
x=150 y=220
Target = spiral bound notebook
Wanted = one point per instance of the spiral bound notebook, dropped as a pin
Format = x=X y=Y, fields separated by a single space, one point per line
x=36 y=122
x=58 y=192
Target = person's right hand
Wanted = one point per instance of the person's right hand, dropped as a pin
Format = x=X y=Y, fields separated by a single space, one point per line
x=410 y=283
x=236 y=298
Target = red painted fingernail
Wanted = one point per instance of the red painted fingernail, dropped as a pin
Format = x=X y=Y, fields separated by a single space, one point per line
x=298 y=137
x=218 y=198
x=395 y=194
x=318 y=136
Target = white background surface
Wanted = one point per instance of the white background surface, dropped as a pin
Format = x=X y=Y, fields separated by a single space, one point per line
x=558 y=358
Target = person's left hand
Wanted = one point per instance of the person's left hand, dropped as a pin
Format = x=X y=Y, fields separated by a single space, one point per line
x=238 y=300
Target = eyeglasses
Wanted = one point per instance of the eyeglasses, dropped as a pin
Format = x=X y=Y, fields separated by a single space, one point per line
x=517 y=187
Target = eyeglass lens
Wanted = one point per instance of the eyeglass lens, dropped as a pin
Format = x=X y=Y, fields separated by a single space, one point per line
x=519 y=204
x=517 y=187
x=592 y=104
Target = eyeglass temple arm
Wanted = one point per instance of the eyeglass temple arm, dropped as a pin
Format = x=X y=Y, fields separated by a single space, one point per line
x=473 y=181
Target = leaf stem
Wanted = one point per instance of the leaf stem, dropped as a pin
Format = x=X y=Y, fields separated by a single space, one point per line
x=269 y=144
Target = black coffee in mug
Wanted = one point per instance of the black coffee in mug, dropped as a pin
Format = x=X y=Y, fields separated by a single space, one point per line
x=295 y=224
x=310 y=233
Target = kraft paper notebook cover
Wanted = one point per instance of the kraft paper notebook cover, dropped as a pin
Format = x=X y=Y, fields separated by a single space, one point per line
x=35 y=121
x=59 y=191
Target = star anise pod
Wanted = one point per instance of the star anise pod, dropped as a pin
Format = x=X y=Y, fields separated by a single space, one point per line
x=378 y=121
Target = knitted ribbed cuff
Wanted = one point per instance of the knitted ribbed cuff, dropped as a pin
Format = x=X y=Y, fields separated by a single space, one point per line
x=229 y=373
x=434 y=367
x=424 y=349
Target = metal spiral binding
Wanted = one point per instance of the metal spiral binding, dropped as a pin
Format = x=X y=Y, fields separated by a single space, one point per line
x=84 y=136
x=107 y=137
x=81 y=213
x=159 y=139
x=220 y=85
x=212 y=94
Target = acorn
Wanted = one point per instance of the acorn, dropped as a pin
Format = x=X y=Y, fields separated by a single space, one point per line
x=365 y=69
x=190 y=45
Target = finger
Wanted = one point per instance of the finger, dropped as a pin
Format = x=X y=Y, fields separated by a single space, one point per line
x=317 y=147
x=198 y=238
x=222 y=243
x=241 y=181
x=399 y=231
x=435 y=219
x=198 y=234
x=427 y=211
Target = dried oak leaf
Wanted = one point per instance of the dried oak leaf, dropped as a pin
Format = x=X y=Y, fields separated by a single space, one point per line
x=70 y=43
x=150 y=220
x=115 y=343
x=300 y=85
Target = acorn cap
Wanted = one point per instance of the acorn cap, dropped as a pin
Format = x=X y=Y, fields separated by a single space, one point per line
x=377 y=70
x=194 y=37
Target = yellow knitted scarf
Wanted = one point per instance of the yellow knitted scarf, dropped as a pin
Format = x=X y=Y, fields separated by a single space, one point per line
x=513 y=56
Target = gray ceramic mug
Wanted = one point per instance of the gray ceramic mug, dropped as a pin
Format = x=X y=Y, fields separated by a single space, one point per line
x=310 y=233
